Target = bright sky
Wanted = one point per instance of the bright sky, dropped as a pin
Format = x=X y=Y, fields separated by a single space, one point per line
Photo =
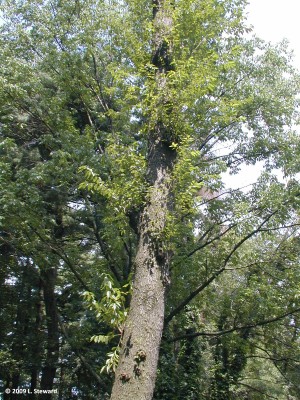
x=272 y=20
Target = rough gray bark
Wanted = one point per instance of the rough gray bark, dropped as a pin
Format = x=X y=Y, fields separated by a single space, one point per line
x=135 y=376
x=136 y=372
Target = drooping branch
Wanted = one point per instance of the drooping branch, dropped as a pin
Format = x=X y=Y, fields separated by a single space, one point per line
x=103 y=246
x=206 y=283
x=67 y=261
x=275 y=361
x=62 y=256
x=236 y=328
x=257 y=390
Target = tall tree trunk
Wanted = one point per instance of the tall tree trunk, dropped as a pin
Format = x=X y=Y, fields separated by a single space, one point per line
x=49 y=370
x=136 y=372
x=48 y=279
x=22 y=320
x=36 y=343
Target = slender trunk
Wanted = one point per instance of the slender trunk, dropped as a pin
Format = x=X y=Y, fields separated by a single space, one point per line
x=33 y=382
x=37 y=343
x=136 y=372
x=50 y=366
x=61 y=388
x=22 y=319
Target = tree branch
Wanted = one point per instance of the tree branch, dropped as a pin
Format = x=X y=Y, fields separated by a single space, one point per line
x=84 y=361
x=257 y=390
x=236 y=328
x=193 y=294
x=102 y=244
x=210 y=241
x=64 y=257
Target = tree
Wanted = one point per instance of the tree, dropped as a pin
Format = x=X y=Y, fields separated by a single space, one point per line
x=116 y=141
